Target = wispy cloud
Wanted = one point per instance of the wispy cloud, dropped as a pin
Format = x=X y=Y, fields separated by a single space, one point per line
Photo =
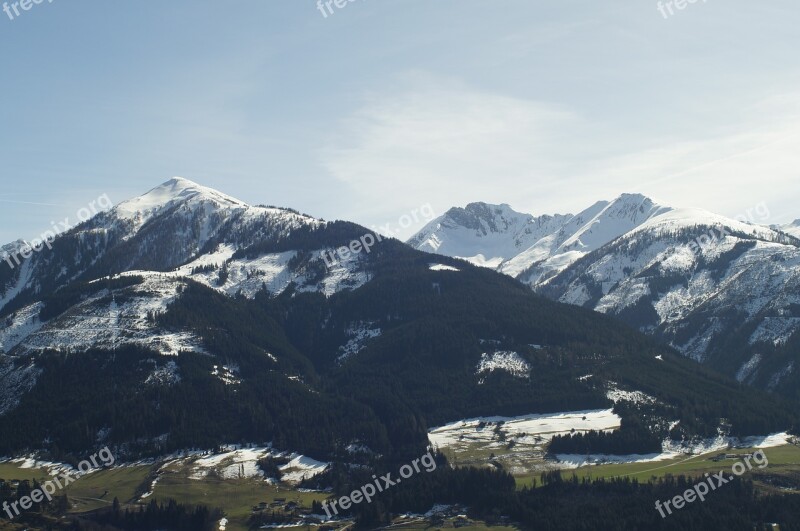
x=754 y=158
x=450 y=144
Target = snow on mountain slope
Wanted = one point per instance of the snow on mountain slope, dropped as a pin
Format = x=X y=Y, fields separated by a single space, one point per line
x=678 y=241
x=689 y=276
x=177 y=190
x=690 y=247
x=22 y=279
x=11 y=248
x=503 y=360
x=358 y=335
x=527 y=247
x=718 y=290
x=172 y=225
x=273 y=271
x=19 y=326
x=688 y=218
x=99 y=321
x=179 y=219
x=175 y=231
x=591 y=229
x=486 y=235
x=16 y=381
x=620 y=216
x=792 y=228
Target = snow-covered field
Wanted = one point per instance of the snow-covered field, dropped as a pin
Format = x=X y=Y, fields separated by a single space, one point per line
x=534 y=429
x=241 y=463
x=520 y=443
x=529 y=433
x=234 y=462
x=672 y=450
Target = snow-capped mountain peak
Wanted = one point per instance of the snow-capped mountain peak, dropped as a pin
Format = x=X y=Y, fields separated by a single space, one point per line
x=519 y=244
x=12 y=248
x=498 y=217
x=621 y=215
x=792 y=228
x=691 y=277
x=484 y=218
x=484 y=234
x=178 y=230
x=176 y=190
x=688 y=218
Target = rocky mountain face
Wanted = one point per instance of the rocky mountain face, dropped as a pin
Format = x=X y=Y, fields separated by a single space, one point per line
x=177 y=231
x=485 y=234
x=721 y=291
x=527 y=247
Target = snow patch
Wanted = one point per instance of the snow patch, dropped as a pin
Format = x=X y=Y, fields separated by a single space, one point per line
x=634 y=397
x=748 y=368
x=102 y=322
x=15 y=381
x=780 y=375
x=228 y=374
x=359 y=334
x=775 y=330
x=442 y=267
x=164 y=376
x=503 y=360
x=531 y=429
x=300 y=468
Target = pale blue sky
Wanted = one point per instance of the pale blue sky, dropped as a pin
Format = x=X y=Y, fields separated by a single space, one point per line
x=386 y=105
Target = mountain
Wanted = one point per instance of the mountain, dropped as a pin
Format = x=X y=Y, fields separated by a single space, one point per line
x=179 y=229
x=790 y=228
x=527 y=247
x=485 y=235
x=188 y=319
x=720 y=291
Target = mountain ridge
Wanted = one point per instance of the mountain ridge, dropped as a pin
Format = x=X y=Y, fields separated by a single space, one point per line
x=677 y=274
x=194 y=320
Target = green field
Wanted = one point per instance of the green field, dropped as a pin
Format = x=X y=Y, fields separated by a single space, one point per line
x=238 y=497
x=99 y=489
x=5 y=525
x=11 y=471
x=89 y=492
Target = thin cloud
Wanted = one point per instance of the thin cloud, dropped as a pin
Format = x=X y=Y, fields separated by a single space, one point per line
x=444 y=145
x=449 y=145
